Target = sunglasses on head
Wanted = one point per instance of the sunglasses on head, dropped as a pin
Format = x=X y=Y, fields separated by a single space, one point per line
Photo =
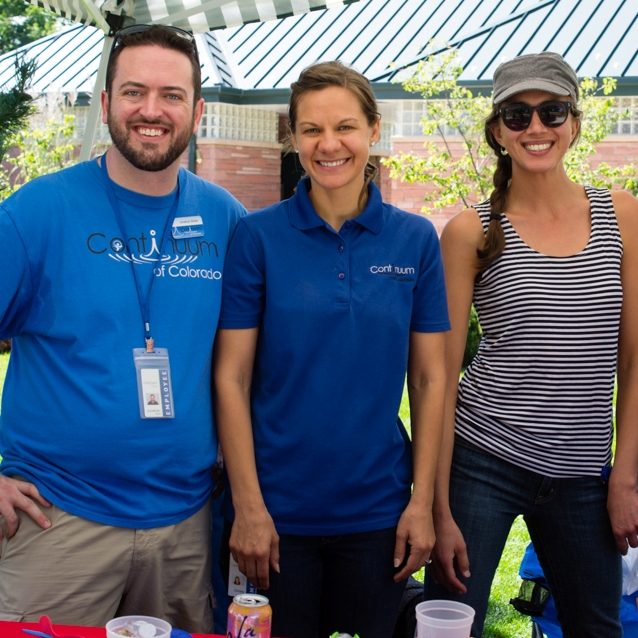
x=141 y=28
x=518 y=115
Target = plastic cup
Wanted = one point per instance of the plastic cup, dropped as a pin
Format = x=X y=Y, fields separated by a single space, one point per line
x=138 y=627
x=443 y=619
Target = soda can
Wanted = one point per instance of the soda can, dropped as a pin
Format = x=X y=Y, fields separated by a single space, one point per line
x=249 y=616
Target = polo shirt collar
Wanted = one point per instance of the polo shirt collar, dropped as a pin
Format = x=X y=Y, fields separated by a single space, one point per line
x=304 y=217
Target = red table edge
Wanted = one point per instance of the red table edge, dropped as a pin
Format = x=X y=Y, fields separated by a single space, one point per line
x=13 y=629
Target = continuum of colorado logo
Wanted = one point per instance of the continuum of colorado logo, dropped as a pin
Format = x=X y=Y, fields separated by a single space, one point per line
x=144 y=250
x=394 y=271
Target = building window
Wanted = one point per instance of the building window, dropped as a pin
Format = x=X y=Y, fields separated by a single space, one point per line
x=231 y=122
x=409 y=115
x=628 y=122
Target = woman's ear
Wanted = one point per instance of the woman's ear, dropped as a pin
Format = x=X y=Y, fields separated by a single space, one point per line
x=289 y=140
x=375 y=134
x=495 y=130
x=575 y=130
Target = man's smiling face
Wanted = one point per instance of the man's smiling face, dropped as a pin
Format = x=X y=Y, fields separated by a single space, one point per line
x=150 y=111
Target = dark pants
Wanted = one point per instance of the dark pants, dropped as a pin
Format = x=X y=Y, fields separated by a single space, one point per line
x=335 y=583
x=568 y=524
x=220 y=574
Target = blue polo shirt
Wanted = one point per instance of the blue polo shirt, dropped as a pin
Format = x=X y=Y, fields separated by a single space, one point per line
x=334 y=312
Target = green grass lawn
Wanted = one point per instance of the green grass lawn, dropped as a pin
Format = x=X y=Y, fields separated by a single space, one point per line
x=502 y=621
x=4 y=360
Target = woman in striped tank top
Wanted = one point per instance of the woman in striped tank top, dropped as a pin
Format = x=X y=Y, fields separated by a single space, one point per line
x=552 y=269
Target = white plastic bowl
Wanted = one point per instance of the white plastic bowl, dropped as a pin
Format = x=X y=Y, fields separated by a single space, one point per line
x=138 y=627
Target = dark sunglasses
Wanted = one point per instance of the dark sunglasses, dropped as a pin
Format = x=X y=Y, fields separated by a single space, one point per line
x=141 y=28
x=518 y=115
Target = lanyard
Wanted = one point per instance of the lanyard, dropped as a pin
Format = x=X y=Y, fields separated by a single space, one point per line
x=143 y=296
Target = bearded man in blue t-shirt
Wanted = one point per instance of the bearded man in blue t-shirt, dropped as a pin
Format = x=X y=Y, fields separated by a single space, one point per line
x=111 y=280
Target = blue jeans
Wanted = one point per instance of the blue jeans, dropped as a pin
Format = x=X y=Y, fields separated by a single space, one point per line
x=335 y=583
x=568 y=524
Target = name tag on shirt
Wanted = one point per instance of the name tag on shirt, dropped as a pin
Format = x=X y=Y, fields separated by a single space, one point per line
x=185 y=227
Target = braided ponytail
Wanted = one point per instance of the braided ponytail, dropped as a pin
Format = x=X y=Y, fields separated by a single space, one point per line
x=494 y=237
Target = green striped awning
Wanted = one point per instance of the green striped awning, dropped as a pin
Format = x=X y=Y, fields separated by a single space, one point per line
x=193 y=15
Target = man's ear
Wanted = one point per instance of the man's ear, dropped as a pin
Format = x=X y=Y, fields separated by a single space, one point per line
x=197 y=114
x=104 y=100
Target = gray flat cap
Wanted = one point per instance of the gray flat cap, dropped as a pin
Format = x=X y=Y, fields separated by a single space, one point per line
x=545 y=71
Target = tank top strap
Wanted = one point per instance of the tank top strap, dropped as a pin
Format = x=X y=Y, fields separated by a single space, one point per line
x=483 y=209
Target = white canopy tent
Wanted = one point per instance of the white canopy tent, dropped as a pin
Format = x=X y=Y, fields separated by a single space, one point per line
x=196 y=16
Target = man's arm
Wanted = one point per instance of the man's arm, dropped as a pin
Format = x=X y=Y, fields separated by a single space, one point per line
x=15 y=293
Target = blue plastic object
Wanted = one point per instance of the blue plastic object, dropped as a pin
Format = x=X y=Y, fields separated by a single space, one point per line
x=530 y=569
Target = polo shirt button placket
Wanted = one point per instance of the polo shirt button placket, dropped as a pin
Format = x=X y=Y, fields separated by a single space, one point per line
x=340 y=249
x=343 y=292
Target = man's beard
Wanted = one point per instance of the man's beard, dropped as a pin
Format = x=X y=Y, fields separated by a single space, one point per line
x=151 y=159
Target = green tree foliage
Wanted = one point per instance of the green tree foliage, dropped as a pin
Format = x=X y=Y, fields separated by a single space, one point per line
x=21 y=23
x=457 y=162
x=474 y=333
x=15 y=107
x=38 y=150
x=599 y=116
x=15 y=104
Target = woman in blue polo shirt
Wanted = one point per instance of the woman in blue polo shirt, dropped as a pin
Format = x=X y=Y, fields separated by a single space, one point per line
x=329 y=298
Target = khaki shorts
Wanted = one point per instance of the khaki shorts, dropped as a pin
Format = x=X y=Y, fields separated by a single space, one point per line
x=84 y=573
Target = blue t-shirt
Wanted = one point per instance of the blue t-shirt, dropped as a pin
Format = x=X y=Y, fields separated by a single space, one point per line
x=334 y=312
x=70 y=415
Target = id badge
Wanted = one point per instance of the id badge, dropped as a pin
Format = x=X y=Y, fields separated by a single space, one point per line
x=237 y=582
x=186 y=227
x=154 y=391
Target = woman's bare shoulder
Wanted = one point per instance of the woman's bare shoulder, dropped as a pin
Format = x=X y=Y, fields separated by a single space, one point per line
x=465 y=227
x=626 y=207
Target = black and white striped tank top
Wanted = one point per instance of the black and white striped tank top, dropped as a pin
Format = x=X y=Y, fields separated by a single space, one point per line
x=539 y=391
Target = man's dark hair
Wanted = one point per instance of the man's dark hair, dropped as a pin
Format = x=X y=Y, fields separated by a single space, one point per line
x=158 y=35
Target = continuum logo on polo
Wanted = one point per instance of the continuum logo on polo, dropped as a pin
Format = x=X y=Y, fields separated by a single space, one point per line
x=394 y=271
x=144 y=250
